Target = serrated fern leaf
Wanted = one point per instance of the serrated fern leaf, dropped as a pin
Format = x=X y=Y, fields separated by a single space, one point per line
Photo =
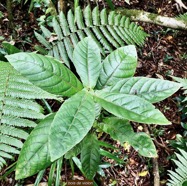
x=182 y=17
x=16 y=108
x=179 y=176
x=108 y=30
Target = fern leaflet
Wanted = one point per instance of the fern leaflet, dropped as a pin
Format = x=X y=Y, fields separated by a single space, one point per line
x=109 y=31
x=179 y=176
x=182 y=17
x=16 y=108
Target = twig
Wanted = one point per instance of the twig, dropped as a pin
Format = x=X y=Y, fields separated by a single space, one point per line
x=155 y=163
x=3 y=6
x=181 y=4
x=161 y=145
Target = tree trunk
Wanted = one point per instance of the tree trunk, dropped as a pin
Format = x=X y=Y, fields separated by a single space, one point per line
x=139 y=15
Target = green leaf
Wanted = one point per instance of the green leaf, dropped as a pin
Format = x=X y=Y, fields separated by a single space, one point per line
x=75 y=151
x=130 y=107
x=111 y=156
x=90 y=156
x=78 y=163
x=143 y=144
x=10 y=49
x=118 y=65
x=110 y=4
x=153 y=90
x=46 y=73
x=105 y=144
x=71 y=124
x=34 y=155
x=87 y=61
x=119 y=129
x=183 y=81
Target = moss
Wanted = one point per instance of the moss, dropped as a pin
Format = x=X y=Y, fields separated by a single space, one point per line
x=129 y=13
x=134 y=13
x=152 y=16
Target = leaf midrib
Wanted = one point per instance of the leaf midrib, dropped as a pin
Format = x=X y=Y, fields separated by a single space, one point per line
x=121 y=106
x=55 y=74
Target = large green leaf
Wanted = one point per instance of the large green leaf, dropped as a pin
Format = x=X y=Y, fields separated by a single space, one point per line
x=46 y=72
x=153 y=90
x=121 y=130
x=143 y=144
x=118 y=65
x=130 y=107
x=87 y=61
x=34 y=155
x=71 y=124
x=90 y=156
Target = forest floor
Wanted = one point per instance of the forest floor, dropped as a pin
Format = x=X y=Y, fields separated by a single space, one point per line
x=164 y=54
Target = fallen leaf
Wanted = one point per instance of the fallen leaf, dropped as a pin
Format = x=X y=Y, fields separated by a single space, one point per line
x=159 y=10
x=143 y=173
x=126 y=146
x=140 y=128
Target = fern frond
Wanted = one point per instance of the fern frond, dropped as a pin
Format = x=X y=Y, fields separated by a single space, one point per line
x=109 y=31
x=16 y=108
x=179 y=176
x=182 y=17
x=8 y=149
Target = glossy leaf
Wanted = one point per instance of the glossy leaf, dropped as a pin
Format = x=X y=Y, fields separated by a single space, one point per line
x=46 y=73
x=118 y=65
x=130 y=107
x=71 y=124
x=143 y=144
x=87 y=61
x=34 y=155
x=153 y=90
x=90 y=156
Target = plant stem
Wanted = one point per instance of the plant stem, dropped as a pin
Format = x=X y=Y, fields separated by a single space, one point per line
x=155 y=163
x=48 y=107
x=9 y=170
x=156 y=172
x=9 y=10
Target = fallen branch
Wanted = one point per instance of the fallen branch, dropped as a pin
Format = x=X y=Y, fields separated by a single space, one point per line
x=140 y=15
